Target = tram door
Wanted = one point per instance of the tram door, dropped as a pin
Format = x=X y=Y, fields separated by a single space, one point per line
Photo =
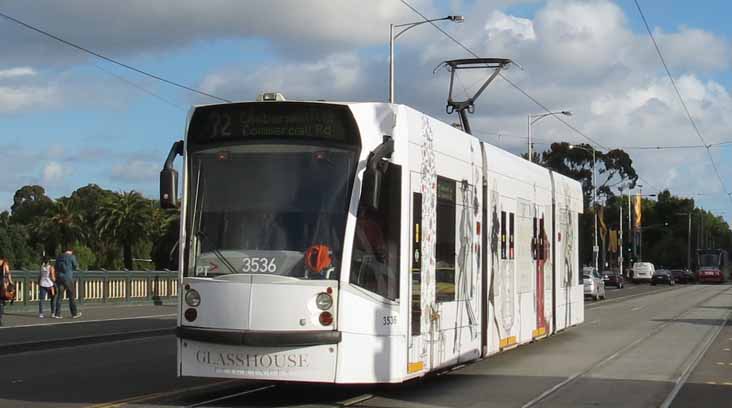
x=419 y=352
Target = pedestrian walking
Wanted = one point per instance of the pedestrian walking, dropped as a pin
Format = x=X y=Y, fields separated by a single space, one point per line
x=6 y=278
x=46 y=286
x=66 y=264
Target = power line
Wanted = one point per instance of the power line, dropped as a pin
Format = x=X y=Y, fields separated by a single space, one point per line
x=526 y=94
x=505 y=78
x=140 y=88
x=98 y=55
x=681 y=99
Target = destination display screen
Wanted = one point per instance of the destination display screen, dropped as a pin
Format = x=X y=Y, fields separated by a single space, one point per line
x=240 y=122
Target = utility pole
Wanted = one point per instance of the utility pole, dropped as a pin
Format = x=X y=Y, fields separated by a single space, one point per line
x=688 y=246
x=620 y=239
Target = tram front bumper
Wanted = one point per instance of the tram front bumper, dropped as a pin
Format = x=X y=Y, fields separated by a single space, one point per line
x=316 y=363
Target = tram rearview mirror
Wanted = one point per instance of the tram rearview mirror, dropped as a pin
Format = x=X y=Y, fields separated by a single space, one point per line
x=375 y=169
x=372 y=187
x=168 y=188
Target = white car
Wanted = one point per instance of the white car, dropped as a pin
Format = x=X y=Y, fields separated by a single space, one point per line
x=594 y=285
x=643 y=271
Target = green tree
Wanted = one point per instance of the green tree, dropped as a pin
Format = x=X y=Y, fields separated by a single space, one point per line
x=66 y=223
x=87 y=200
x=30 y=202
x=614 y=168
x=124 y=217
x=614 y=171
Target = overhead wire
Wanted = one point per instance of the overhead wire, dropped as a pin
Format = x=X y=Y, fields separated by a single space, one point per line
x=108 y=59
x=514 y=85
x=681 y=99
x=140 y=88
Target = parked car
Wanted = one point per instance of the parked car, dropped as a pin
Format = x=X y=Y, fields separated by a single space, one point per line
x=643 y=271
x=663 y=276
x=682 y=276
x=594 y=286
x=613 y=278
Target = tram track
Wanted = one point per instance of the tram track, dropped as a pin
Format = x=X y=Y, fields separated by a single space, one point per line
x=622 y=298
x=230 y=396
x=340 y=397
x=688 y=365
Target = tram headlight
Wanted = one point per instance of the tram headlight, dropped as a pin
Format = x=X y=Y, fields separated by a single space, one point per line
x=324 y=301
x=193 y=298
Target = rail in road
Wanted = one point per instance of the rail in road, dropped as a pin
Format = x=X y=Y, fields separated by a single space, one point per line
x=634 y=351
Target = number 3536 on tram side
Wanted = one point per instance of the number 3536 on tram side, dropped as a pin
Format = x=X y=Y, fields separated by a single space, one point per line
x=361 y=243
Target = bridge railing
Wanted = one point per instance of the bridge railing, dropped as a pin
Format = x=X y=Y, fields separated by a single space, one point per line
x=104 y=286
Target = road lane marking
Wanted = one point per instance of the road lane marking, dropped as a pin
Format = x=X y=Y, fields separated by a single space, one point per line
x=721 y=363
x=355 y=400
x=628 y=297
x=147 y=397
x=654 y=331
x=637 y=308
x=238 y=394
x=725 y=349
x=692 y=365
x=87 y=321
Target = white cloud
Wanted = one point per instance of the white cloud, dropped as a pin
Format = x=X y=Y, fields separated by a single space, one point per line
x=17 y=72
x=13 y=99
x=520 y=28
x=338 y=76
x=134 y=170
x=54 y=173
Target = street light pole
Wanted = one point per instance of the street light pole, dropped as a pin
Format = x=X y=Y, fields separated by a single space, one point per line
x=536 y=118
x=392 y=38
x=688 y=241
x=620 y=239
x=596 y=248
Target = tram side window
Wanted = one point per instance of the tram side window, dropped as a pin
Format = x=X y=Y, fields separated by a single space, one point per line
x=503 y=235
x=511 y=240
x=542 y=241
x=375 y=257
x=534 y=242
x=445 y=243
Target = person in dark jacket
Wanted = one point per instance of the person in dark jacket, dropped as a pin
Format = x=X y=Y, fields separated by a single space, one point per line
x=66 y=264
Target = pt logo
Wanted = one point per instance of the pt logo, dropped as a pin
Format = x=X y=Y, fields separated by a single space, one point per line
x=205 y=269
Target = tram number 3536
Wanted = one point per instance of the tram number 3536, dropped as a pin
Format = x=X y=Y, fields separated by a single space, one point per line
x=254 y=265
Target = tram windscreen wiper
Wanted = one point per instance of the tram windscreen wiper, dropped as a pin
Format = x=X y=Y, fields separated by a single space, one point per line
x=202 y=235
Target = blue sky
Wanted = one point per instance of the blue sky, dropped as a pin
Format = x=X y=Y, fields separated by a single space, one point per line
x=65 y=121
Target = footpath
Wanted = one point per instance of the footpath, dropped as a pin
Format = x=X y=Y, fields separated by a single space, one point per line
x=25 y=331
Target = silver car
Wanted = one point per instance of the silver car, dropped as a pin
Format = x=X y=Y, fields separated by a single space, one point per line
x=594 y=285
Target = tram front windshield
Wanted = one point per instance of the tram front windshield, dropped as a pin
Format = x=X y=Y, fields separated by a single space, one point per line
x=709 y=260
x=258 y=209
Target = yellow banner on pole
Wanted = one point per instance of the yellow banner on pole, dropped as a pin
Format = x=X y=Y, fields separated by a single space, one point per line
x=638 y=215
x=601 y=221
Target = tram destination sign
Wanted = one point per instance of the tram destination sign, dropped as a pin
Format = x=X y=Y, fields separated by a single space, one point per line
x=241 y=122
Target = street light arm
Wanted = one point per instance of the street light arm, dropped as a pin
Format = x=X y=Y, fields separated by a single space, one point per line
x=412 y=25
x=543 y=115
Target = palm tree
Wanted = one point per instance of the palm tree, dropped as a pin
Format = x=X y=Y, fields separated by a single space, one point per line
x=124 y=217
x=65 y=223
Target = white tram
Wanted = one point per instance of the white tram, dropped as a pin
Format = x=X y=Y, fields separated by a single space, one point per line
x=362 y=243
